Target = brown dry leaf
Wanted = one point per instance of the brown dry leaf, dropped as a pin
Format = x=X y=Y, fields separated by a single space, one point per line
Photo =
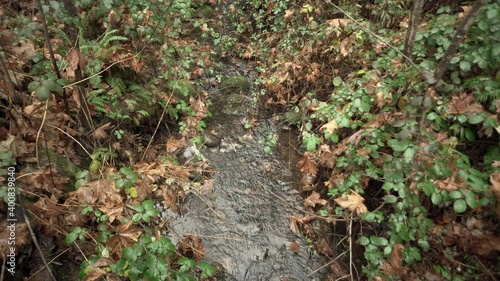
x=314 y=199
x=486 y=245
x=24 y=51
x=96 y=271
x=294 y=246
x=344 y=47
x=330 y=126
x=326 y=158
x=307 y=182
x=294 y=226
x=387 y=269
x=382 y=99
x=198 y=72
x=174 y=144
x=192 y=247
x=100 y=133
x=103 y=194
x=495 y=188
x=464 y=103
x=127 y=230
x=495 y=184
x=288 y=14
x=397 y=251
x=338 y=22
x=325 y=248
x=137 y=65
x=353 y=202
x=307 y=165
x=22 y=236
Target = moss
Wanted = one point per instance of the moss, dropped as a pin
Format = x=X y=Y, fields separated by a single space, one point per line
x=234 y=84
x=63 y=165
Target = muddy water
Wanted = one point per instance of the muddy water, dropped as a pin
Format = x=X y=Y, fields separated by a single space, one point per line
x=244 y=221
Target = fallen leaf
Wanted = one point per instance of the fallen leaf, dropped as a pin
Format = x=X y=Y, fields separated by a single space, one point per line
x=307 y=166
x=288 y=14
x=397 y=251
x=294 y=247
x=353 y=202
x=314 y=199
x=330 y=126
x=464 y=103
x=100 y=133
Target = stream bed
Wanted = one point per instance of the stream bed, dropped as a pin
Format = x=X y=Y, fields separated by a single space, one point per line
x=244 y=222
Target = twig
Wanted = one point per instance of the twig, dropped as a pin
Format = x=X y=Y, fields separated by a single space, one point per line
x=51 y=53
x=208 y=205
x=90 y=77
x=9 y=81
x=40 y=131
x=486 y=269
x=51 y=261
x=159 y=121
x=75 y=140
x=350 y=247
x=327 y=264
x=4 y=259
x=35 y=241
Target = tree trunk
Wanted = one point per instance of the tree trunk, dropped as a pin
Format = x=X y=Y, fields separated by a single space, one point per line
x=466 y=23
x=412 y=29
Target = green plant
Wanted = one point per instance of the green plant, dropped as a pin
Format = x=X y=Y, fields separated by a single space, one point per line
x=145 y=211
x=154 y=260
x=126 y=178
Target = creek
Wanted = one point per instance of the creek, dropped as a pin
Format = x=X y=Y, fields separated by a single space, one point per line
x=244 y=222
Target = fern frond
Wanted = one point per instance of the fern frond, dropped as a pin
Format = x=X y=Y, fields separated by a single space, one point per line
x=110 y=37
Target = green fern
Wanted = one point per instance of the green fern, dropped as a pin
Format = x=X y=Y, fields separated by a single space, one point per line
x=484 y=88
x=110 y=37
x=117 y=85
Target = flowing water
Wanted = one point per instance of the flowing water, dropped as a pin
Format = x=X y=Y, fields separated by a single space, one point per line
x=244 y=222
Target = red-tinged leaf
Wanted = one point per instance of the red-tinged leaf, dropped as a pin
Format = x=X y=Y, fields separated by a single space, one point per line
x=314 y=199
x=307 y=165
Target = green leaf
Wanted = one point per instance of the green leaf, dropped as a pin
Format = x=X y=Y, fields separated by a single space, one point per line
x=379 y=241
x=454 y=60
x=42 y=93
x=476 y=119
x=152 y=212
x=267 y=150
x=137 y=217
x=363 y=241
x=138 y=208
x=471 y=201
x=337 y=81
x=436 y=198
x=390 y=199
x=146 y=218
x=148 y=204
x=311 y=146
x=206 y=269
x=186 y=264
x=71 y=237
x=460 y=206
x=34 y=85
x=465 y=65
x=455 y=194
x=470 y=135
